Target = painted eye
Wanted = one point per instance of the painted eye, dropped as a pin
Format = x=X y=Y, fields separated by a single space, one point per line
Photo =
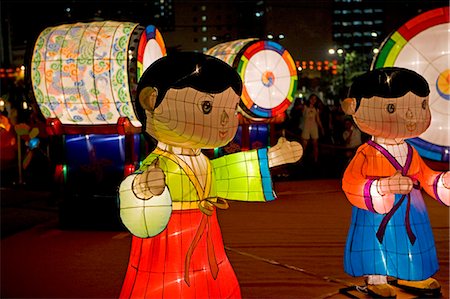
x=390 y=108
x=206 y=107
x=424 y=104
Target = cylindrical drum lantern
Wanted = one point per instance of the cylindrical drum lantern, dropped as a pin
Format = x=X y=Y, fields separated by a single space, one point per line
x=87 y=73
x=421 y=44
x=268 y=74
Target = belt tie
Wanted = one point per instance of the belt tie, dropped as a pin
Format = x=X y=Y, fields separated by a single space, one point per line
x=383 y=225
x=206 y=206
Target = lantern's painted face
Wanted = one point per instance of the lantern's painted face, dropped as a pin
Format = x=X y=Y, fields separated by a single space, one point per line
x=190 y=118
x=404 y=117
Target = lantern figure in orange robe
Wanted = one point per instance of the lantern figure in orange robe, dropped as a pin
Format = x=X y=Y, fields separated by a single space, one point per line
x=390 y=233
x=169 y=204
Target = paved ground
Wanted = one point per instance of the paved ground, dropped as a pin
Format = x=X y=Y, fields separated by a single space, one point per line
x=288 y=248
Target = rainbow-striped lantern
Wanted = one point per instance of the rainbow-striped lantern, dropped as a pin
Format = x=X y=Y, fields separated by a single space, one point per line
x=421 y=44
x=268 y=74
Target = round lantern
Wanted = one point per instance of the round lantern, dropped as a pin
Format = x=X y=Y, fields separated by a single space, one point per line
x=87 y=73
x=267 y=71
x=155 y=211
x=421 y=44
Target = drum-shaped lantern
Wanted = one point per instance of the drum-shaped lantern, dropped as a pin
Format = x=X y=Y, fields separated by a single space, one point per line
x=87 y=73
x=267 y=71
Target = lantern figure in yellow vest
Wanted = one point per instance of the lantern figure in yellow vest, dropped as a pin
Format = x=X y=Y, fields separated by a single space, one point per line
x=169 y=204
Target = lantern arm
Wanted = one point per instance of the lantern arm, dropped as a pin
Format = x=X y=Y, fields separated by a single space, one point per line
x=361 y=187
x=244 y=176
x=435 y=183
x=284 y=152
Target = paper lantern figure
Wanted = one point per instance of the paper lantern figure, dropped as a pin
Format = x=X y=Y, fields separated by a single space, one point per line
x=421 y=45
x=170 y=203
x=390 y=233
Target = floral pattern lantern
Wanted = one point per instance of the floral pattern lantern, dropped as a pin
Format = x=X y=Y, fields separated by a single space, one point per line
x=86 y=73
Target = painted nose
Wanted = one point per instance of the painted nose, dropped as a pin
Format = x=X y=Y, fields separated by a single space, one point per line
x=409 y=115
x=224 y=118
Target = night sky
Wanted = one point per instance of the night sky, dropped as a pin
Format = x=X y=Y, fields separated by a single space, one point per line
x=28 y=18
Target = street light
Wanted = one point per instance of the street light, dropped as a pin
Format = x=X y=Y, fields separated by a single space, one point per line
x=278 y=37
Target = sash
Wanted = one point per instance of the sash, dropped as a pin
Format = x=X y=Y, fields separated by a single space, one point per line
x=416 y=185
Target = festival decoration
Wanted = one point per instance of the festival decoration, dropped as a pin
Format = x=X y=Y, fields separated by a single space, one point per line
x=170 y=203
x=267 y=71
x=390 y=233
x=86 y=73
x=421 y=44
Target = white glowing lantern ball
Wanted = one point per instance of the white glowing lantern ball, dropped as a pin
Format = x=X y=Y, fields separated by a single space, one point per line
x=154 y=212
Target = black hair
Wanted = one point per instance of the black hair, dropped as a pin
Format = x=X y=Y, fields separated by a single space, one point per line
x=389 y=82
x=189 y=69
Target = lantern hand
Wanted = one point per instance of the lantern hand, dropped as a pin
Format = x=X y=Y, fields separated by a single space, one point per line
x=284 y=152
x=395 y=184
x=151 y=182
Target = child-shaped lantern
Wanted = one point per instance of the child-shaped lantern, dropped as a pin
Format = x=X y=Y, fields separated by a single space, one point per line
x=390 y=233
x=169 y=204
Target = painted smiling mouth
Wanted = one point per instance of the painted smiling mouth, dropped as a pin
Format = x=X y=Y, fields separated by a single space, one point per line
x=223 y=134
x=411 y=126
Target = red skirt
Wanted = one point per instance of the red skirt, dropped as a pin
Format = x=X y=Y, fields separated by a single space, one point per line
x=157 y=266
